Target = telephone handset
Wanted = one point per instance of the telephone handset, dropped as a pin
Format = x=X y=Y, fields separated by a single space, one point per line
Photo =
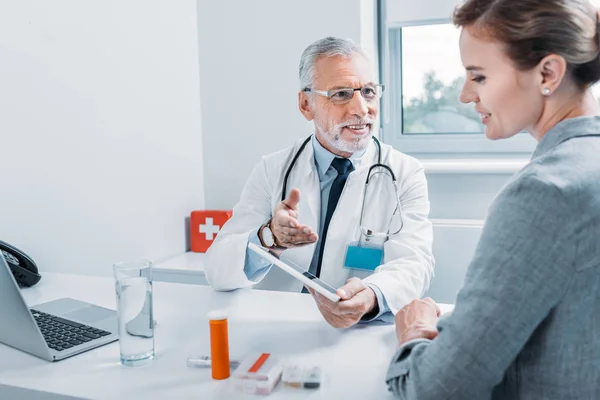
x=22 y=266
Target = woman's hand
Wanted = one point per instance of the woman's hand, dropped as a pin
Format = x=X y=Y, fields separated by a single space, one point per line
x=417 y=319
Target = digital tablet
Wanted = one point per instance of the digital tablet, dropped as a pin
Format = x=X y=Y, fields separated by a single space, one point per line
x=301 y=274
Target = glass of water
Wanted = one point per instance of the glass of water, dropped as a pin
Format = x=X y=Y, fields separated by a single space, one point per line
x=133 y=285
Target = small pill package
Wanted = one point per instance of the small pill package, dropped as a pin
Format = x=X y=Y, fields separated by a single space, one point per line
x=258 y=374
x=298 y=377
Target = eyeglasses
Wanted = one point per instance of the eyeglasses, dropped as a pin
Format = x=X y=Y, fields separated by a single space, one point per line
x=342 y=96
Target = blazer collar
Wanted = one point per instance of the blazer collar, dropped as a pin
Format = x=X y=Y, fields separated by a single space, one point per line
x=565 y=130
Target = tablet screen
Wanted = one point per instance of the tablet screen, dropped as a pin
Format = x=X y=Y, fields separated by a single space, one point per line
x=308 y=275
x=321 y=283
x=296 y=271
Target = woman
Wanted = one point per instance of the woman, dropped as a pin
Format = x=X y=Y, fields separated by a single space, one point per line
x=526 y=324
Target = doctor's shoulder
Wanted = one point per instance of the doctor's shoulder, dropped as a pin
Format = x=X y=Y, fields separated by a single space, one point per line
x=403 y=165
x=277 y=157
x=279 y=160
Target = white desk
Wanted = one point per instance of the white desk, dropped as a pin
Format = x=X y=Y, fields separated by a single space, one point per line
x=184 y=268
x=354 y=361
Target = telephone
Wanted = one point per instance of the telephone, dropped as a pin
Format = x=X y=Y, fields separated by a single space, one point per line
x=22 y=266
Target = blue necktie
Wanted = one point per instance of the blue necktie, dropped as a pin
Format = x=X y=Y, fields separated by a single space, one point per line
x=343 y=166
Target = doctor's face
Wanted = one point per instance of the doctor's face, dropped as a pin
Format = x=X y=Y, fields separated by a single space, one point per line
x=507 y=99
x=345 y=128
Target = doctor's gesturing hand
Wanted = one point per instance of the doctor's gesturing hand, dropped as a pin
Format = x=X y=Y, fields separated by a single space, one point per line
x=357 y=299
x=287 y=230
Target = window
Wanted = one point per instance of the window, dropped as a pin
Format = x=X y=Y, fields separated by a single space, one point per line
x=432 y=81
x=432 y=77
x=423 y=73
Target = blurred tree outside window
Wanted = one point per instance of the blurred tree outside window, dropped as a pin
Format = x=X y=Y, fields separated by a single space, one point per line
x=432 y=77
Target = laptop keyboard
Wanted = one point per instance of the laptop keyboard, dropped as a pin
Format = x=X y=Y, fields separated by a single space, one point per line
x=62 y=334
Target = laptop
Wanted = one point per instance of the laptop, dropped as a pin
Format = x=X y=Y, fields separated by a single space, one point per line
x=55 y=330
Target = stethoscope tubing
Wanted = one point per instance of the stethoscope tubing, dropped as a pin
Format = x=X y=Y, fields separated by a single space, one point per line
x=378 y=165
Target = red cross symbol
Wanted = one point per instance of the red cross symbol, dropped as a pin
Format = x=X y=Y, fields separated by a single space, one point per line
x=204 y=227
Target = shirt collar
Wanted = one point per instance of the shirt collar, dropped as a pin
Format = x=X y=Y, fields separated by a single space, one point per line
x=565 y=130
x=324 y=157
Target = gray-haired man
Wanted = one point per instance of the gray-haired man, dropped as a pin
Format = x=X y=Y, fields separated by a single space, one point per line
x=379 y=258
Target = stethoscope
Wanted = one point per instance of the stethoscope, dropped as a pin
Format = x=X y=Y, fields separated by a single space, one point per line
x=369 y=235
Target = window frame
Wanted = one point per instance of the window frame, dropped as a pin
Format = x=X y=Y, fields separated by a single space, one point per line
x=391 y=113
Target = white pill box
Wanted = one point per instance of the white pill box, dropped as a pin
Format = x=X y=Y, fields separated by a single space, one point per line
x=295 y=376
x=258 y=374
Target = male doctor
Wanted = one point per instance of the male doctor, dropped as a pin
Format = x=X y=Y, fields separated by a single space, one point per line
x=375 y=244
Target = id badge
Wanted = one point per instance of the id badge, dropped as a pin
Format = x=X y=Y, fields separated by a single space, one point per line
x=364 y=258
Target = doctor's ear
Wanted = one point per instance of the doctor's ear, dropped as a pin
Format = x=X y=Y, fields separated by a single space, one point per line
x=304 y=104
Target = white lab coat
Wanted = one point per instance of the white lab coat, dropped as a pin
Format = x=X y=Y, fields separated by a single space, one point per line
x=408 y=260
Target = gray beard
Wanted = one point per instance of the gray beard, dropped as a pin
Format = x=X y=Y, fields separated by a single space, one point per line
x=335 y=140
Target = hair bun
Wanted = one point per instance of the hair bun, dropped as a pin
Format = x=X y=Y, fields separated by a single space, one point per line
x=532 y=29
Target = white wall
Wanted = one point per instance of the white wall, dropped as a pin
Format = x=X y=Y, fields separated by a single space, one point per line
x=100 y=140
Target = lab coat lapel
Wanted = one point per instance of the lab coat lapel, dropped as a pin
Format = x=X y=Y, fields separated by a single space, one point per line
x=304 y=176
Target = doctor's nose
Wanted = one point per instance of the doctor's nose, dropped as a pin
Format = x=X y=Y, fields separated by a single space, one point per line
x=358 y=105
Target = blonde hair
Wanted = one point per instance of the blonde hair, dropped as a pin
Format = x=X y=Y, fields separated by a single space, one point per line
x=533 y=29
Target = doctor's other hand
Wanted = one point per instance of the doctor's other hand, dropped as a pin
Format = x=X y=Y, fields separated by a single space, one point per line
x=417 y=320
x=357 y=299
x=285 y=226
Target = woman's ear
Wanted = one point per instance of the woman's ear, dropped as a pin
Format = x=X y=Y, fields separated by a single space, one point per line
x=305 y=106
x=552 y=70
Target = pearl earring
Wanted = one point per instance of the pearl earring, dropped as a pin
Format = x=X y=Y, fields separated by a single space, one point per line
x=545 y=91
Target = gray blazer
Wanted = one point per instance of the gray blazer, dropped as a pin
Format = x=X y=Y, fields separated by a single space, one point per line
x=527 y=321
